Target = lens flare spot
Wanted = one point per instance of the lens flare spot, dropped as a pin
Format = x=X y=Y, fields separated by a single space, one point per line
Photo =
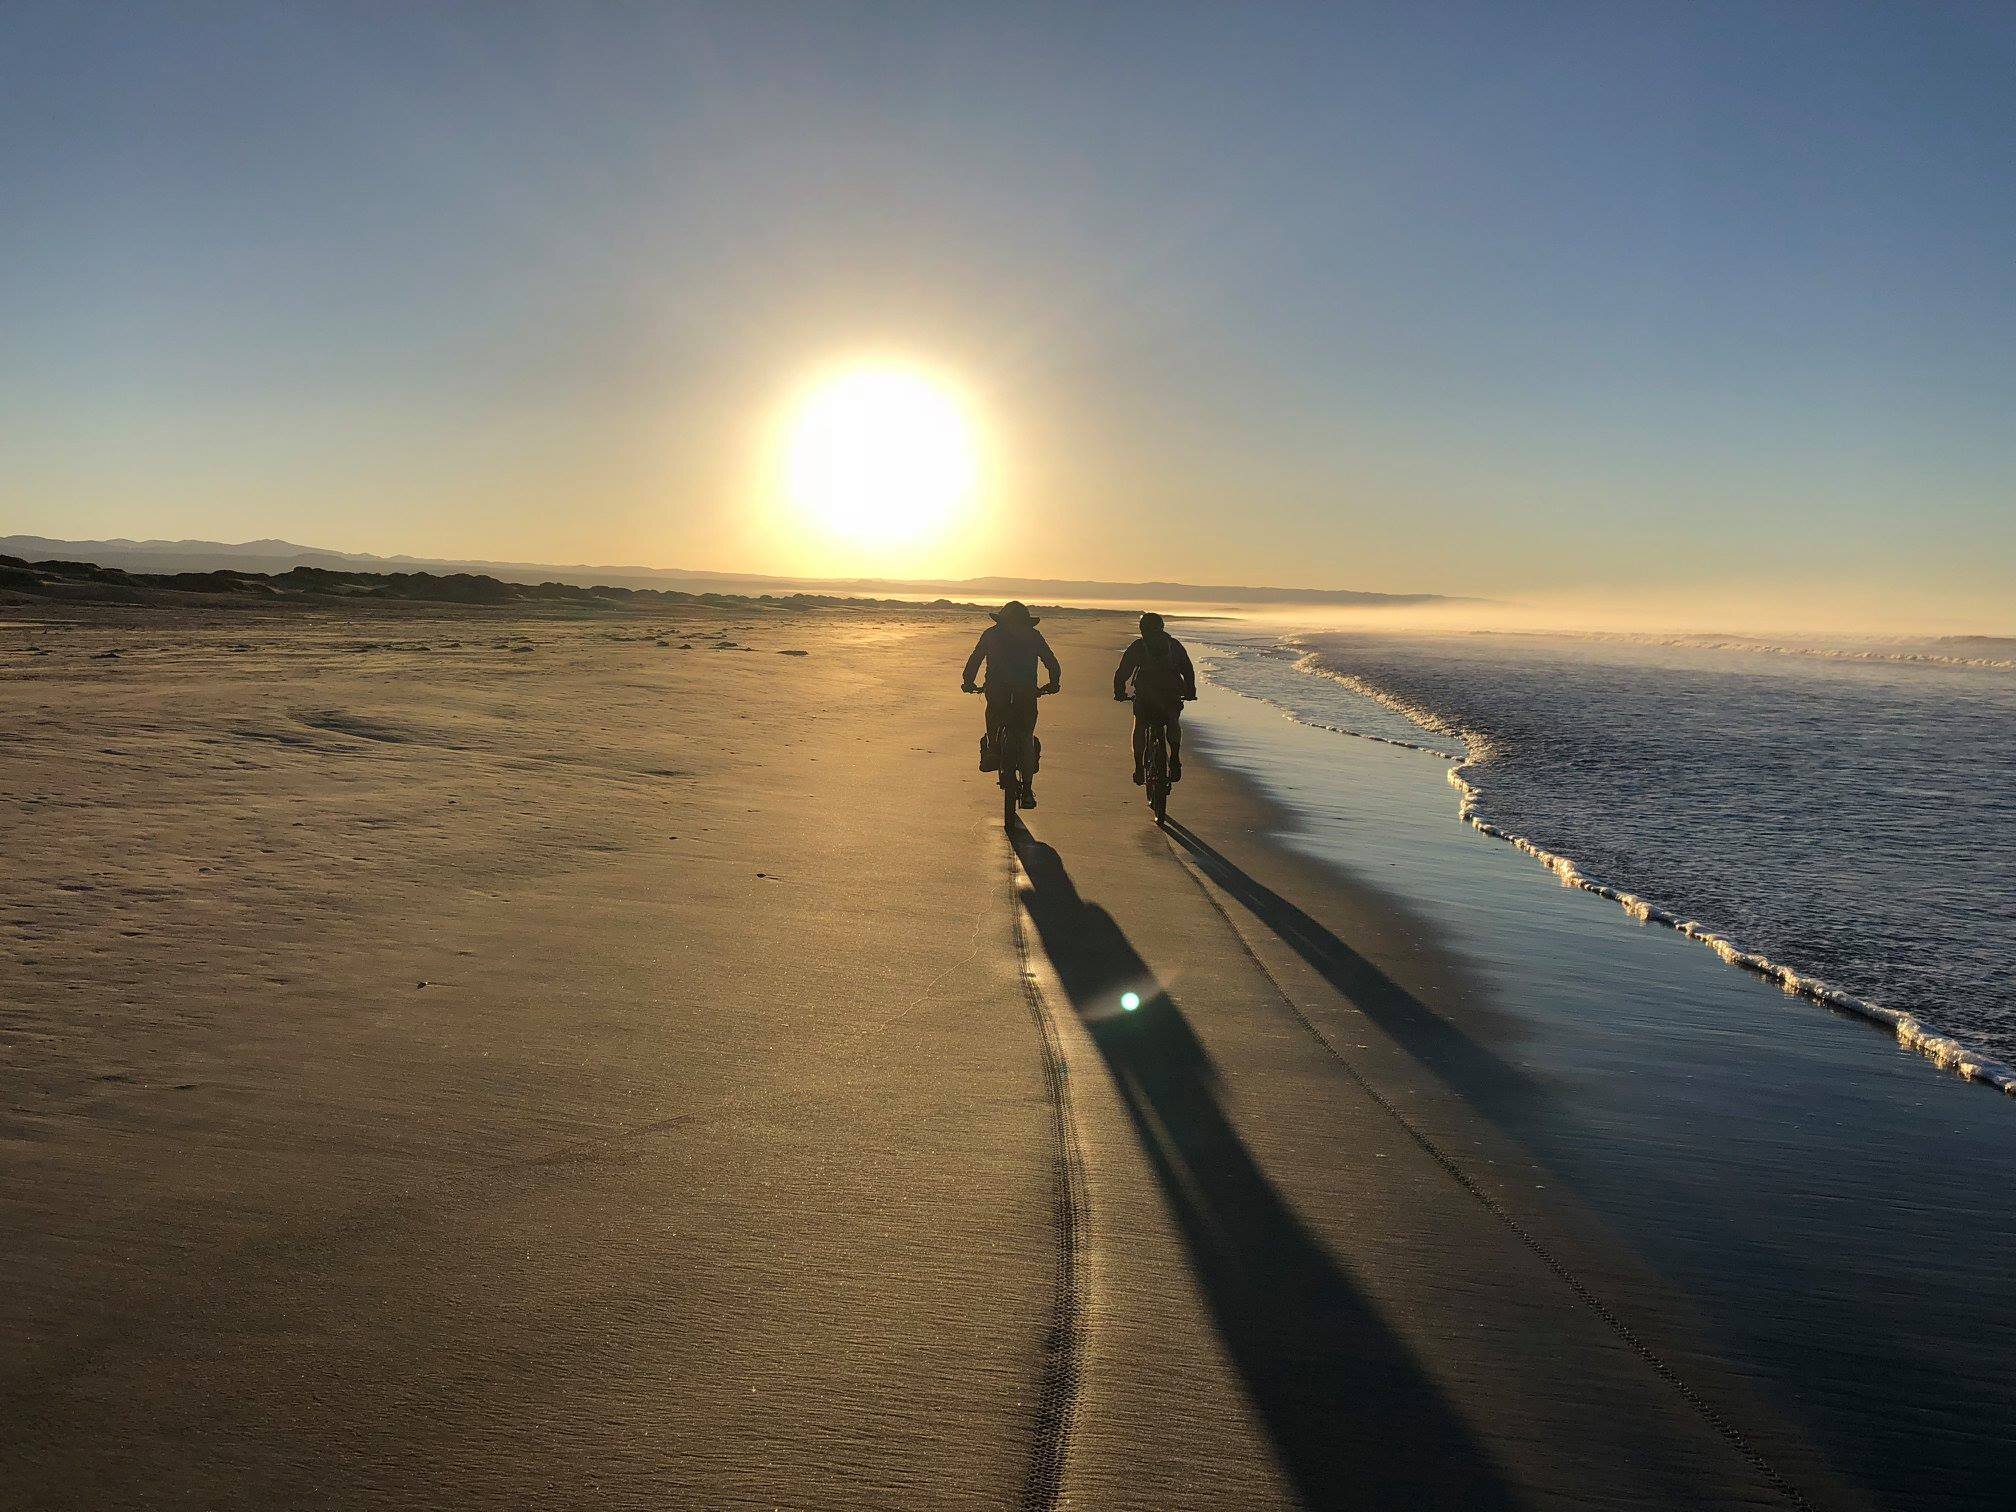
x=1129 y=1001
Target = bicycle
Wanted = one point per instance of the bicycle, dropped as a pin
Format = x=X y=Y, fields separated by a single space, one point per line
x=1156 y=779
x=1155 y=771
x=1015 y=754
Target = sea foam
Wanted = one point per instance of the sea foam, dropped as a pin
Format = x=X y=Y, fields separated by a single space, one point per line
x=1913 y=1033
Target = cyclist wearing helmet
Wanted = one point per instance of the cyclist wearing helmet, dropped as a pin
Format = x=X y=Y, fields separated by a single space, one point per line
x=1156 y=673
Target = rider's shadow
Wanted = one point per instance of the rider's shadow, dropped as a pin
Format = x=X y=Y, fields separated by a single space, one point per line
x=1353 y=1418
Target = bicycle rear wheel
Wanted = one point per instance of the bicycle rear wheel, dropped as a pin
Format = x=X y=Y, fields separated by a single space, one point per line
x=1158 y=774
x=1014 y=756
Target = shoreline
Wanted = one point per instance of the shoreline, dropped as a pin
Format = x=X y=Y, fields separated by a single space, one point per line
x=1688 y=1115
x=1946 y=1052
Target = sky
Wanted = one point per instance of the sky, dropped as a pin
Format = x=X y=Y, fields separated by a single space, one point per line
x=1668 y=304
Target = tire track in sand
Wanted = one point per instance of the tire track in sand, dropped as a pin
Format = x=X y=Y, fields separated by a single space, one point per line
x=1064 y=1340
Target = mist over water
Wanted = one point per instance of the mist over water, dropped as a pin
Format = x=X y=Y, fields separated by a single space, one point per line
x=1843 y=809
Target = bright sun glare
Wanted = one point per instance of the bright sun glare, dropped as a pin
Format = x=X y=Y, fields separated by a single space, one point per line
x=881 y=454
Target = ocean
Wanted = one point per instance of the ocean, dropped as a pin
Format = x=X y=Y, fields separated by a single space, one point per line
x=1838 y=818
x=1830 y=1204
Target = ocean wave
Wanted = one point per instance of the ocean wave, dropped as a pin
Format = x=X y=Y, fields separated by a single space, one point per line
x=1912 y=1032
x=1296 y=716
x=1899 y=656
x=1311 y=662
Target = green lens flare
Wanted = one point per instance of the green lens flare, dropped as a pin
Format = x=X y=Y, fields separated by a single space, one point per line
x=1130 y=1001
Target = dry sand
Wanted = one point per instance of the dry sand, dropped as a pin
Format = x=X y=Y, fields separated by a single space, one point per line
x=463 y=1060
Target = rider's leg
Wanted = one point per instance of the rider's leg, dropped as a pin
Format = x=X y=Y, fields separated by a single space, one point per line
x=1174 y=726
x=1140 y=743
x=1025 y=743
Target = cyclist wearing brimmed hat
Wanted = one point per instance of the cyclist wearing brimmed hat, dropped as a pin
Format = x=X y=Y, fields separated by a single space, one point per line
x=1012 y=647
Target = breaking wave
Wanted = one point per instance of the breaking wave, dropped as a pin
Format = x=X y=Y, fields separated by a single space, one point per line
x=1941 y=1049
x=1911 y=1031
x=1900 y=655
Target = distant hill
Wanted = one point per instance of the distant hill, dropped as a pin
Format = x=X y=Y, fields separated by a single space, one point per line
x=279 y=557
x=274 y=556
x=68 y=581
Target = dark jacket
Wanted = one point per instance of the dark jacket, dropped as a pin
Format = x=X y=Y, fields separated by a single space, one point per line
x=1159 y=669
x=1011 y=653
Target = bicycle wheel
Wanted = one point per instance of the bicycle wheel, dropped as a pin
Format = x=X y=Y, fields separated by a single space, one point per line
x=1158 y=774
x=1014 y=756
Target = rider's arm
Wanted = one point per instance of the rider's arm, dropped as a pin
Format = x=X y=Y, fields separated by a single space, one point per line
x=1049 y=660
x=1188 y=672
x=973 y=662
x=1128 y=660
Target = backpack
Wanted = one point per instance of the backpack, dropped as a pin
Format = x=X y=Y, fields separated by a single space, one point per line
x=1157 y=676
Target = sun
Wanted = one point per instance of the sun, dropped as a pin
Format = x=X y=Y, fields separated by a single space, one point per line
x=881 y=454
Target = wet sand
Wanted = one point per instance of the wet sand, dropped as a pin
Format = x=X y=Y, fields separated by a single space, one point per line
x=468 y=1061
x=1828 y=1200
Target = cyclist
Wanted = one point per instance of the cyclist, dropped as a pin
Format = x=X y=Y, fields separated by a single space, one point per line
x=1156 y=672
x=1011 y=647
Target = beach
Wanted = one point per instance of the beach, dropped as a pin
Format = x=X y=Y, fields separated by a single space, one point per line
x=559 y=1059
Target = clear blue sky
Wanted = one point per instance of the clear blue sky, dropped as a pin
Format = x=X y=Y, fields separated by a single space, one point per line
x=1496 y=298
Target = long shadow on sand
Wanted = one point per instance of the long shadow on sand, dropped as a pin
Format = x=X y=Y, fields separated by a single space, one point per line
x=1492 y=1084
x=1352 y=1417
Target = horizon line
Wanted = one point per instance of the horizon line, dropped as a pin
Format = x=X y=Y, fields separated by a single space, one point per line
x=274 y=546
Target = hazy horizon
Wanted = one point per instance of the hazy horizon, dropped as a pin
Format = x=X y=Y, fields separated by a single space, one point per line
x=1692 y=315
x=1737 y=615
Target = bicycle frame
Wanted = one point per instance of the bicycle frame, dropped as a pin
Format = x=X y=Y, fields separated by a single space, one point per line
x=1014 y=757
